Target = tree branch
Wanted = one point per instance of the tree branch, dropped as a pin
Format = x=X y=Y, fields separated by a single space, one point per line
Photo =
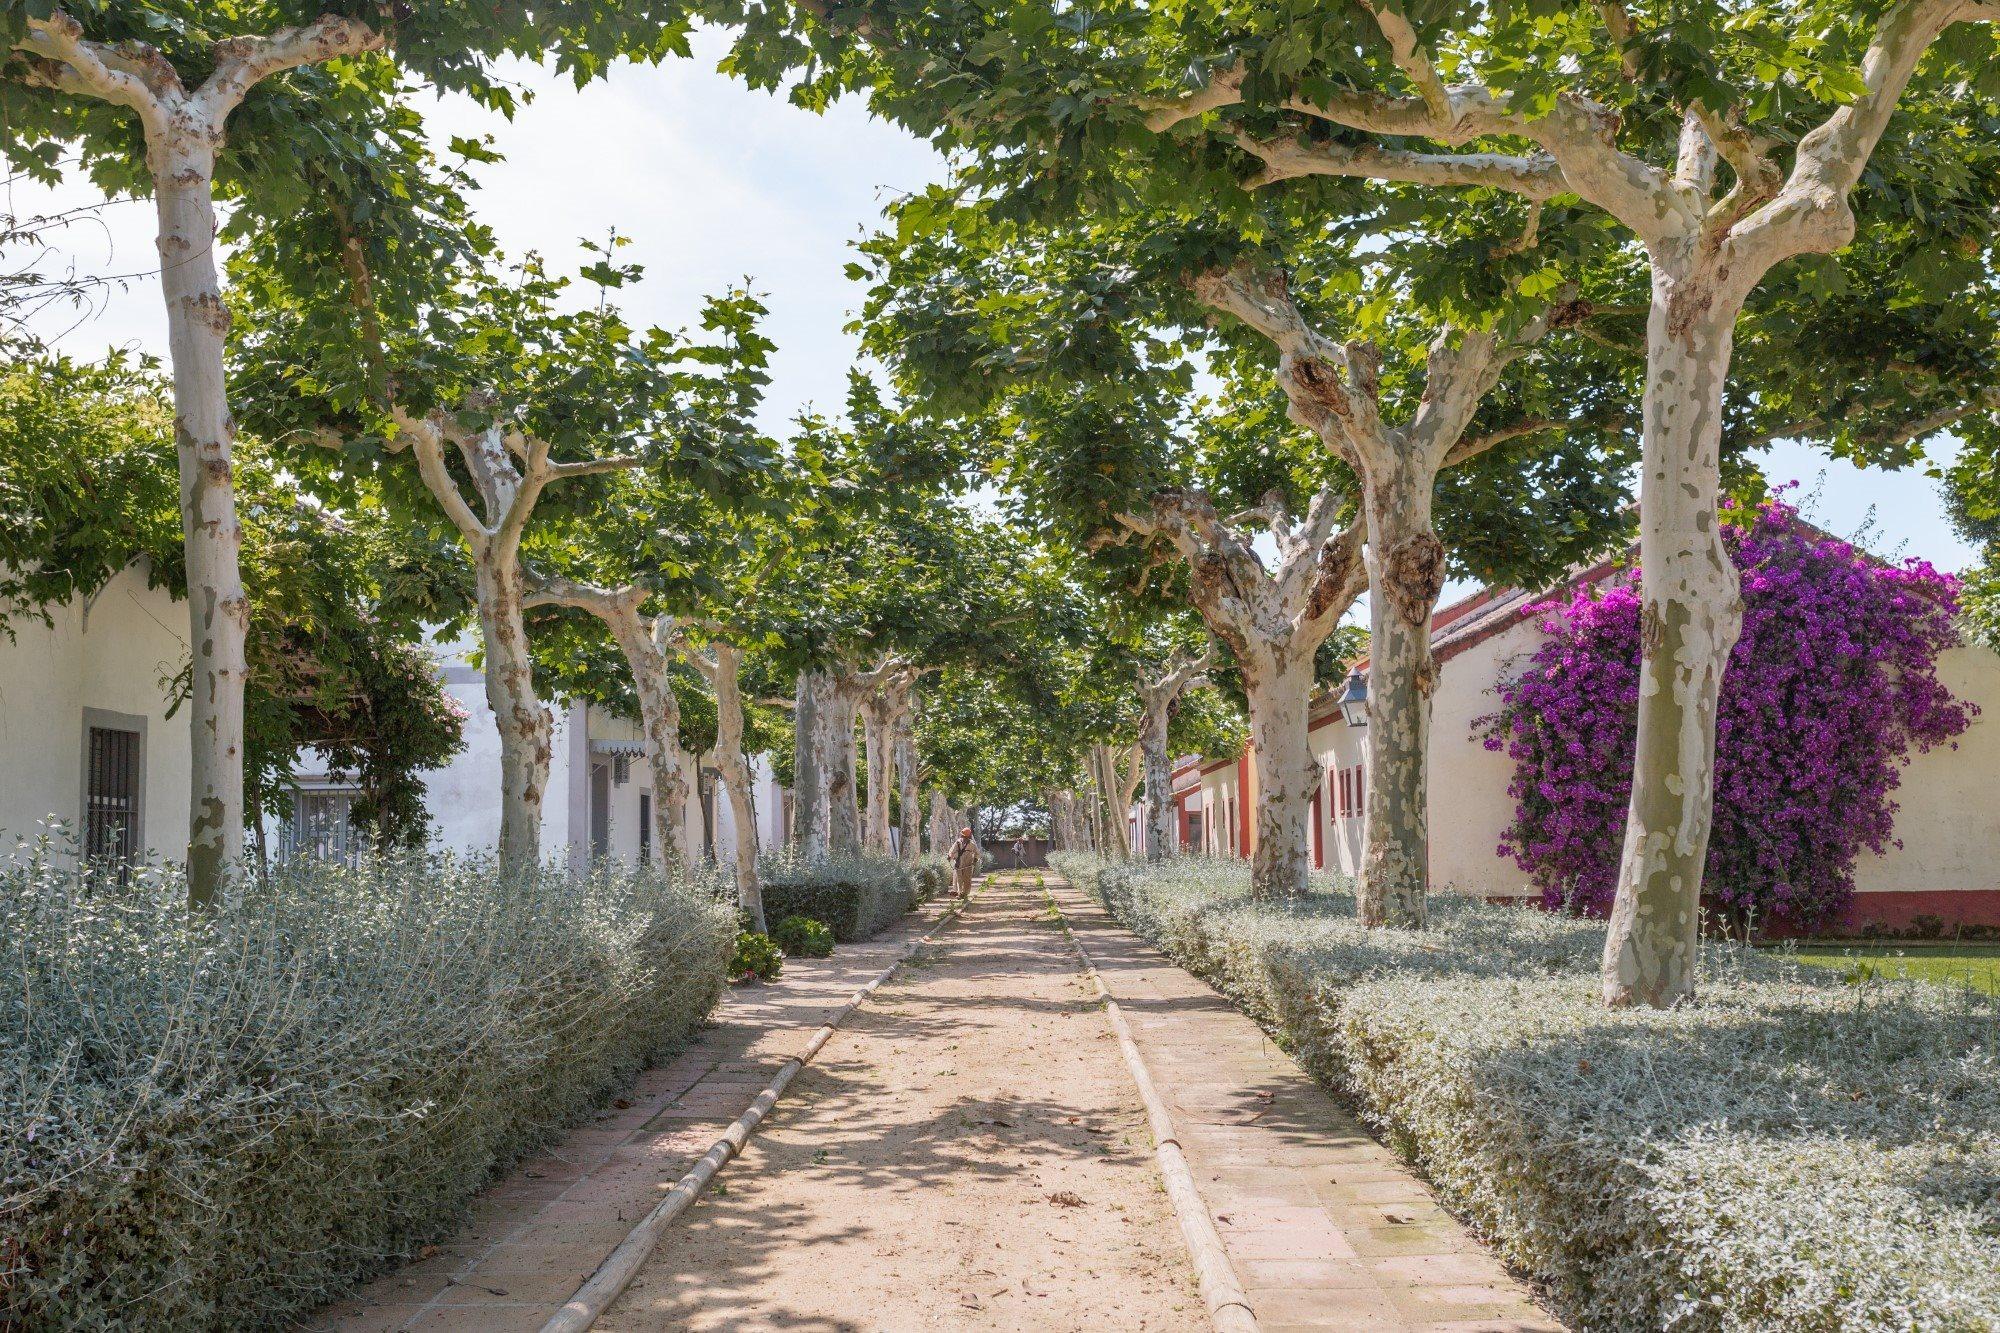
x=560 y=590
x=1618 y=26
x=428 y=445
x=68 y=63
x=1471 y=446
x=1536 y=178
x=1224 y=88
x=591 y=467
x=241 y=63
x=1810 y=213
x=1332 y=389
x=1413 y=60
x=1342 y=576
x=1897 y=432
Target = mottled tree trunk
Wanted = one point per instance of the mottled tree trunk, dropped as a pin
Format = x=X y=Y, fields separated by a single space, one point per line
x=909 y=803
x=184 y=132
x=660 y=720
x=809 y=804
x=724 y=672
x=524 y=726
x=1692 y=613
x=1112 y=820
x=942 y=831
x=836 y=761
x=183 y=166
x=1405 y=574
x=1162 y=827
x=1281 y=754
x=1158 y=699
x=877 y=728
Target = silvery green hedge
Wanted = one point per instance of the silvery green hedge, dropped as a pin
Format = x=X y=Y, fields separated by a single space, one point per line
x=858 y=896
x=1792 y=1152
x=222 y=1120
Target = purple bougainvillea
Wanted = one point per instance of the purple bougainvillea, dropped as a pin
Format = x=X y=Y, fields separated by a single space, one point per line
x=1832 y=686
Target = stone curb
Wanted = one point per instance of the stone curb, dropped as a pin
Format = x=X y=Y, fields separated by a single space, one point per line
x=1228 y=1306
x=589 y=1302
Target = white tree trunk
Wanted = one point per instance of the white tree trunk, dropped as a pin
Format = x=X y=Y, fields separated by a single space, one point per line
x=724 y=672
x=204 y=433
x=836 y=761
x=660 y=720
x=809 y=803
x=184 y=131
x=1406 y=569
x=1163 y=828
x=942 y=828
x=524 y=725
x=1281 y=755
x=877 y=727
x=1693 y=611
x=1113 y=821
x=909 y=802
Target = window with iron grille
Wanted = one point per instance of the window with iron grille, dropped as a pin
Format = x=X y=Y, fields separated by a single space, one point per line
x=321 y=827
x=645 y=828
x=111 y=796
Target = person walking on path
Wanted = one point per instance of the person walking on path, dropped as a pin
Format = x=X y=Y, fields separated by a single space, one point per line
x=963 y=859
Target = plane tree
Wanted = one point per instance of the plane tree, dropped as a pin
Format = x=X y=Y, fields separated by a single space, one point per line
x=885 y=577
x=252 y=103
x=1720 y=143
x=516 y=399
x=1131 y=368
x=648 y=555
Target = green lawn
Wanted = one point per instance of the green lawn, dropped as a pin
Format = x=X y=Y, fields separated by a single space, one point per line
x=1973 y=965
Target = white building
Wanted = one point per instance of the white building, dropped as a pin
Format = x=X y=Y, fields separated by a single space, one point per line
x=87 y=742
x=84 y=733
x=1947 y=862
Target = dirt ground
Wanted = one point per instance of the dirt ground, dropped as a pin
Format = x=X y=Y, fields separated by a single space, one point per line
x=968 y=1152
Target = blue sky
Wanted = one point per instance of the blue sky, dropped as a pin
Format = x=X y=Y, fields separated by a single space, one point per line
x=716 y=184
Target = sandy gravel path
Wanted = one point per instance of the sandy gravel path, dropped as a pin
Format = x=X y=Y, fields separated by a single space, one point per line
x=967 y=1153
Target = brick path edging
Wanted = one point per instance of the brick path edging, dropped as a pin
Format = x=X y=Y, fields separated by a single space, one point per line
x=1228 y=1306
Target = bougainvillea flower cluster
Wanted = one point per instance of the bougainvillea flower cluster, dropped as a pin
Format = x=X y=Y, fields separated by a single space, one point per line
x=1830 y=689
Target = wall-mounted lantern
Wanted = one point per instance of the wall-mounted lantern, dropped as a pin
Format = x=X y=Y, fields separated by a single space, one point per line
x=1354 y=700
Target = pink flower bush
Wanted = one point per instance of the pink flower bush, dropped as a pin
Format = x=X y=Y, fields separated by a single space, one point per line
x=1832 y=686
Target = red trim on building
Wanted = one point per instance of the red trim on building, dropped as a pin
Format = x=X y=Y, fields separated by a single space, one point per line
x=1318 y=833
x=1243 y=803
x=1897 y=911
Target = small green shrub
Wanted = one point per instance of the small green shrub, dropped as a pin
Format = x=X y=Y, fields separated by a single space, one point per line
x=756 y=958
x=803 y=937
x=859 y=896
x=223 y=1120
x=1792 y=1152
x=932 y=877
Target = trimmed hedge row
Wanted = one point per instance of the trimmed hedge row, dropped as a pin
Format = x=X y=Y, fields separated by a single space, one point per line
x=223 y=1120
x=858 y=896
x=1791 y=1152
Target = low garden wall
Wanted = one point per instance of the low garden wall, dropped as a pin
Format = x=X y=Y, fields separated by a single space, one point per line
x=1790 y=1152
x=223 y=1120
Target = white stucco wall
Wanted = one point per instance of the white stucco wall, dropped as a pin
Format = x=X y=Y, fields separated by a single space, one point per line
x=1470 y=808
x=115 y=655
x=1949 y=820
x=464 y=796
